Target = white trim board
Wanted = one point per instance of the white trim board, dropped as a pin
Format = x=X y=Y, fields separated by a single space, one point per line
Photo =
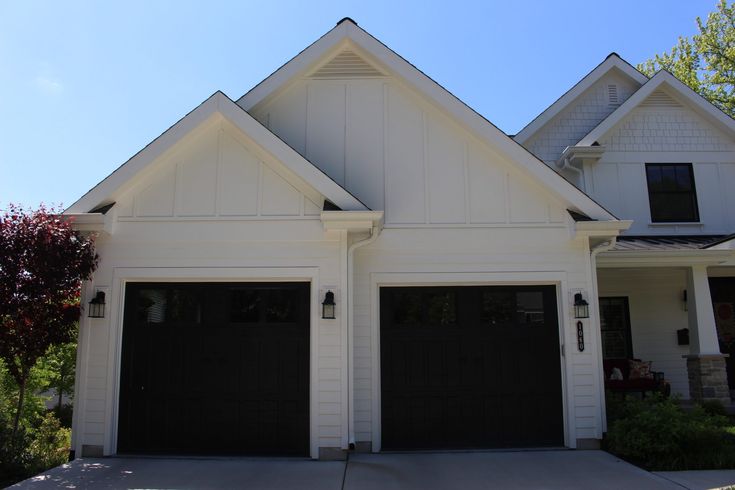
x=612 y=61
x=396 y=279
x=123 y=275
x=402 y=70
x=218 y=103
x=680 y=91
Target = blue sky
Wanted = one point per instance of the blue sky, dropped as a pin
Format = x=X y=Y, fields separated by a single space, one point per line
x=85 y=85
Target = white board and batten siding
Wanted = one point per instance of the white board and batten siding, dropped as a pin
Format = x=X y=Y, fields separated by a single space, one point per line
x=214 y=208
x=456 y=212
x=662 y=130
x=399 y=154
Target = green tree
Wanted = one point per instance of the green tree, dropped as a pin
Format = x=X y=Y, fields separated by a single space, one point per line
x=706 y=61
x=56 y=369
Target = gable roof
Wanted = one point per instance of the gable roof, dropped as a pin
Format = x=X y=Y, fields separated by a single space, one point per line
x=217 y=103
x=662 y=79
x=347 y=31
x=613 y=61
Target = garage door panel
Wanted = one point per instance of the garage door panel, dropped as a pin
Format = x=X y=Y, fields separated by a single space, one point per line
x=470 y=367
x=215 y=368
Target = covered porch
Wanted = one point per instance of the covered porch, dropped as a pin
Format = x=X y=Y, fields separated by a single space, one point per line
x=671 y=302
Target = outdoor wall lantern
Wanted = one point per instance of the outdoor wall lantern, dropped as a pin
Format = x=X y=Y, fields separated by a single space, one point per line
x=97 y=306
x=684 y=303
x=328 y=306
x=581 y=307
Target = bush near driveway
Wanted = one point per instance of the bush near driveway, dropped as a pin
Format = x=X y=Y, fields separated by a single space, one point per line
x=43 y=439
x=657 y=434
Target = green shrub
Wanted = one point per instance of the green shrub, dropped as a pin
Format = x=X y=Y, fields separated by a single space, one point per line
x=50 y=445
x=658 y=435
x=714 y=407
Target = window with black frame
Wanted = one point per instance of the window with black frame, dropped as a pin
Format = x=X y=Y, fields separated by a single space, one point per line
x=671 y=192
x=615 y=327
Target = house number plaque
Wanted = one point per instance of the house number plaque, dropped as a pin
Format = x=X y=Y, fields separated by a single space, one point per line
x=580 y=336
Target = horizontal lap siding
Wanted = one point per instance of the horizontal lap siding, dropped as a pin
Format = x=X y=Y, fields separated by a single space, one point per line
x=248 y=244
x=471 y=251
x=656 y=313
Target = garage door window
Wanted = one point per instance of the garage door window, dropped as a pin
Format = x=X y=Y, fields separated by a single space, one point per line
x=244 y=306
x=281 y=307
x=152 y=305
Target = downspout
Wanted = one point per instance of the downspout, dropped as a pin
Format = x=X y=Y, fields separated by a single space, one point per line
x=594 y=252
x=565 y=164
x=374 y=232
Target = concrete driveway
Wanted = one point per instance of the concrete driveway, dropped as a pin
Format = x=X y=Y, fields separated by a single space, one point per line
x=503 y=470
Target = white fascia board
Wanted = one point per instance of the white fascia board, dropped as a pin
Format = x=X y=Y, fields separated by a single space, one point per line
x=102 y=191
x=287 y=155
x=612 y=61
x=437 y=95
x=300 y=63
x=218 y=103
x=662 y=258
x=352 y=220
x=479 y=126
x=680 y=91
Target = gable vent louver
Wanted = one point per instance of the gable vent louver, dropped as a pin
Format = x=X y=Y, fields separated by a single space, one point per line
x=347 y=64
x=612 y=96
x=659 y=98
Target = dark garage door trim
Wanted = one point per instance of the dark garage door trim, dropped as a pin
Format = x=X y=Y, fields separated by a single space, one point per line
x=294 y=376
x=410 y=406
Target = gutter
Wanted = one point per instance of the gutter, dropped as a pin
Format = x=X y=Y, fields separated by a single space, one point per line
x=352 y=222
x=664 y=258
x=374 y=233
x=594 y=252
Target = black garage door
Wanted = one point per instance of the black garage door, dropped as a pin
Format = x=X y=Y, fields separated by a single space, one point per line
x=215 y=369
x=470 y=367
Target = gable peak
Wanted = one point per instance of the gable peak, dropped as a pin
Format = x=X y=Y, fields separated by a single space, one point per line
x=347 y=63
x=346 y=19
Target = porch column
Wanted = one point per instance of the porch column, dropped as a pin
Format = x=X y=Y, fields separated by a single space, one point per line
x=705 y=363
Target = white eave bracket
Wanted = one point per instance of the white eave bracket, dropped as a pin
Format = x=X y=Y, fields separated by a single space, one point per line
x=352 y=221
x=90 y=222
x=572 y=154
x=593 y=229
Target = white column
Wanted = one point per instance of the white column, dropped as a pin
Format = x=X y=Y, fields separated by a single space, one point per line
x=702 y=328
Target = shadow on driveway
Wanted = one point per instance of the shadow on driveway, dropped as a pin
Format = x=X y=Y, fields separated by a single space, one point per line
x=562 y=469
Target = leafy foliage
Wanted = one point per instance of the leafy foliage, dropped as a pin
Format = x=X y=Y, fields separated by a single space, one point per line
x=658 y=435
x=42 y=439
x=56 y=369
x=706 y=61
x=43 y=261
x=51 y=444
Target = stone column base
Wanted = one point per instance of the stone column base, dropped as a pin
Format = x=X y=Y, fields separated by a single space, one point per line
x=708 y=378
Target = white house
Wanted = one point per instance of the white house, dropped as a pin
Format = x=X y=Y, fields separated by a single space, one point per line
x=453 y=254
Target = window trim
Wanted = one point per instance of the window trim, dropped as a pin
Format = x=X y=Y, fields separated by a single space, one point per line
x=693 y=193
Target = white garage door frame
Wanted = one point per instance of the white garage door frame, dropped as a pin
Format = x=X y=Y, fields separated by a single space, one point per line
x=396 y=279
x=123 y=275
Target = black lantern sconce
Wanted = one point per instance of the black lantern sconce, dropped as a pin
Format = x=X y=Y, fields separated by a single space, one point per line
x=684 y=300
x=328 y=306
x=97 y=306
x=581 y=307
